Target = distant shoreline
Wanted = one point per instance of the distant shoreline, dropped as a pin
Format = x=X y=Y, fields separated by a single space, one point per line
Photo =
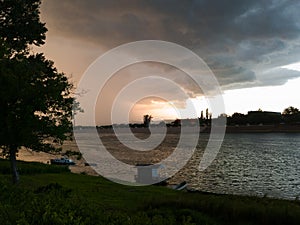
x=279 y=128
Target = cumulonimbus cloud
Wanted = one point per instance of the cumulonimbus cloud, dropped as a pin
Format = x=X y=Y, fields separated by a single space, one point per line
x=240 y=40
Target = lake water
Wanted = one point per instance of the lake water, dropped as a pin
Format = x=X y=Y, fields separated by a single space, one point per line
x=251 y=164
x=256 y=164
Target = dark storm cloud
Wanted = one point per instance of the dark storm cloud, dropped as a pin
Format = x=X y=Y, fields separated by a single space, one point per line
x=241 y=40
x=277 y=76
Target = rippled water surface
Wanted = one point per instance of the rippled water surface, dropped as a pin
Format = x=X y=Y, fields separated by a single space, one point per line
x=250 y=164
x=247 y=164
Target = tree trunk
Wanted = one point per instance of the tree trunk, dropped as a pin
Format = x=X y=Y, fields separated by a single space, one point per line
x=13 y=163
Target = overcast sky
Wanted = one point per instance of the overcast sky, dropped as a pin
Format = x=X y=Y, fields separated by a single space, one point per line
x=245 y=43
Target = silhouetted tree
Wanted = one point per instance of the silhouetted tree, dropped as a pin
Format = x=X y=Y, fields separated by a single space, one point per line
x=176 y=123
x=238 y=119
x=291 y=115
x=35 y=99
x=290 y=111
x=147 y=120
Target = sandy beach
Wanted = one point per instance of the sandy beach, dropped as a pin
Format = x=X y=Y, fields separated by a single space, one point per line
x=28 y=155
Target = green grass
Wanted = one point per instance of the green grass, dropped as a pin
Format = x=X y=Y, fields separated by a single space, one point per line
x=60 y=197
x=31 y=168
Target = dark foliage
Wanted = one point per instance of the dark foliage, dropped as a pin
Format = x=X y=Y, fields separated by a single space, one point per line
x=35 y=99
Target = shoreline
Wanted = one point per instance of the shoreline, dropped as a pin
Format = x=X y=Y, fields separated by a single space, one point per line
x=121 y=153
x=278 y=128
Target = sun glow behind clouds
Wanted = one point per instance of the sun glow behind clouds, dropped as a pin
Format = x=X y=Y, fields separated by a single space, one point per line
x=272 y=98
x=163 y=110
x=159 y=109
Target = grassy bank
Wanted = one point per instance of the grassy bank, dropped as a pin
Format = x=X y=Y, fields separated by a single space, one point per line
x=56 y=196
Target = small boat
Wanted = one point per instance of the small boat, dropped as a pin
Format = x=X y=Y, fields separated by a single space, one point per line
x=62 y=161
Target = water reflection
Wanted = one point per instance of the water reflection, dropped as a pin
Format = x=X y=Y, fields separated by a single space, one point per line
x=250 y=164
x=247 y=164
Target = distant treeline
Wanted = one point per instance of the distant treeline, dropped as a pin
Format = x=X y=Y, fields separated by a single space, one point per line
x=290 y=116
